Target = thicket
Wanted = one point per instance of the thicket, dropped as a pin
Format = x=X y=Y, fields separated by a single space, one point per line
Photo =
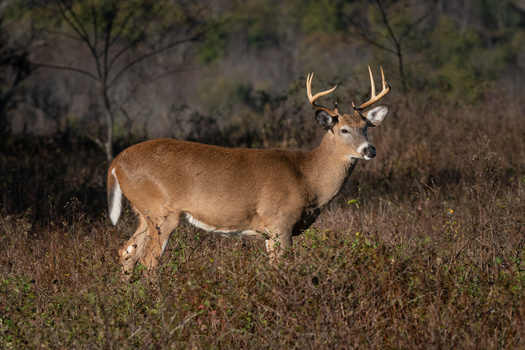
x=228 y=72
x=424 y=247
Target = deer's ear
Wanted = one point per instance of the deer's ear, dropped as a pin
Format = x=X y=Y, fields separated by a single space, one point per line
x=325 y=120
x=376 y=116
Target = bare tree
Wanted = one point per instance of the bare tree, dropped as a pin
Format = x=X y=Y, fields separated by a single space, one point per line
x=117 y=36
x=14 y=67
x=394 y=27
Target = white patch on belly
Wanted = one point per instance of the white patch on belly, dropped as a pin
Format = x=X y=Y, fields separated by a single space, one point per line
x=224 y=232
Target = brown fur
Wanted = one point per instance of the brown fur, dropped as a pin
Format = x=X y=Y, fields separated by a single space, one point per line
x=274 y=194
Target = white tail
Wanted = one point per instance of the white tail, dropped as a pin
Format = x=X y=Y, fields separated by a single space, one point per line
x=114 y=197
x=271 y=194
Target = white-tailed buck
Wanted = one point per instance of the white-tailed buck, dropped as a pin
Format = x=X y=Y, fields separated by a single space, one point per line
x=274 y=194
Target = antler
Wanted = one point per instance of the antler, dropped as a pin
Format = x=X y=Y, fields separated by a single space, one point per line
x=320 y=94
x=373 y=97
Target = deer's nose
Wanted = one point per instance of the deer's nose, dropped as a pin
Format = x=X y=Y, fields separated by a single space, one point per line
x=369 y=152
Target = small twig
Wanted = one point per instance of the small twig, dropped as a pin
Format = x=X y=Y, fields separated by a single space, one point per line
x=184 y=322
x=415 y=299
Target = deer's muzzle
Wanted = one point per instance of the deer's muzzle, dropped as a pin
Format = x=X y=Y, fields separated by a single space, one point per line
x=369 y=152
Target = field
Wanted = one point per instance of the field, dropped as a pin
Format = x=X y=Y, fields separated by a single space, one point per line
x=424 y=248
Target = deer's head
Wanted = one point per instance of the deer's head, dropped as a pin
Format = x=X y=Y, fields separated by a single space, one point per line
x=348 y=131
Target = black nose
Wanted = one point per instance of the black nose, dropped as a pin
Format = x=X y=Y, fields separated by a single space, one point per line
x=369 y=152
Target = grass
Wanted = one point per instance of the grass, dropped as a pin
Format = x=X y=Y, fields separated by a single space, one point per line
x=338 y=289
x=423 y=249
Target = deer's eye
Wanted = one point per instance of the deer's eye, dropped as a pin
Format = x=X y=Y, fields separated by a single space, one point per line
x=345 y=131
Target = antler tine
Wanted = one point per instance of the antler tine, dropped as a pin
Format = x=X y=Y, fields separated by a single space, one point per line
x=373 y=97
x=385 y=84
x=320 y=94
x=372 y=83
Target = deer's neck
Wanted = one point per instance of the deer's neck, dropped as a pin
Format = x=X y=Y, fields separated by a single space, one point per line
x=327 y=170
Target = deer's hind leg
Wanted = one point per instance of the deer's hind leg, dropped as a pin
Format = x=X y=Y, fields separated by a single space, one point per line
x=131 y=252
x=148 y=242
x=159 y=230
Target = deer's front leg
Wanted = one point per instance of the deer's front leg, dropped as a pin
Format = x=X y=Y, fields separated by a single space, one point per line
x=277 y=242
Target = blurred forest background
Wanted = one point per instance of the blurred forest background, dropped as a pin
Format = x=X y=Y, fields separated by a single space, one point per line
x=81 y=80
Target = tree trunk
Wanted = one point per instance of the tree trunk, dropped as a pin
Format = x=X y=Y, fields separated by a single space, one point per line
x=108 y=143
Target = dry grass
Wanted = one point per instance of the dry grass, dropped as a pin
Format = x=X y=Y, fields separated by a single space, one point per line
x=424 y=249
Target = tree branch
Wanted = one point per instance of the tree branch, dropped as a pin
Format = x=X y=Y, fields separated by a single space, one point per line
x=132 y=43
x=75 y=23
x=71 y=69
x=381 y=8
x=149 y=55
x=95 y=24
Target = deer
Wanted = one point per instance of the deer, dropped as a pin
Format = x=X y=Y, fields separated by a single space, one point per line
x=271 y=194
